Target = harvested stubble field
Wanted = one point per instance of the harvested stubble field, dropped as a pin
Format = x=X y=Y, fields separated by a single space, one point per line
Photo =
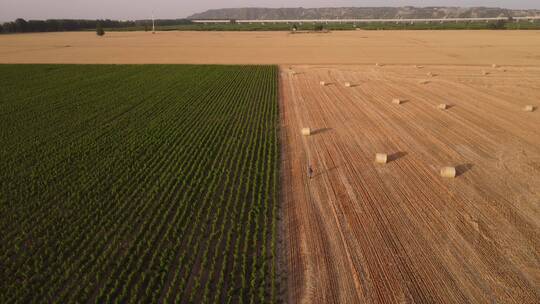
x=347 y=47
x=361 y=232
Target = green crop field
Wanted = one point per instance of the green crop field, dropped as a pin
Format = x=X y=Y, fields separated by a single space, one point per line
x=138 y=184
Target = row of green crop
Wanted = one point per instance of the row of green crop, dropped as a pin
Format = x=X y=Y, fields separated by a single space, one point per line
x=138 y=184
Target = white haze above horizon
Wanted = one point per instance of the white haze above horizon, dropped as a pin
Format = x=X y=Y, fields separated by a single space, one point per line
x=172 y=9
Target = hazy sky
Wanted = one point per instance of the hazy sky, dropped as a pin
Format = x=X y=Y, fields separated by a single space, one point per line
x=140 y=9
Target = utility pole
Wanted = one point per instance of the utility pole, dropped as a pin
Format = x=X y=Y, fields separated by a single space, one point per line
x=153 y=24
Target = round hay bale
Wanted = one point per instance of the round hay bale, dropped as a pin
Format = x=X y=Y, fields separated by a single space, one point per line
x=397 y=101
x=379 y=64
x=306 y=131
x=529 y=108
x=494 y=66
x=418 y=66
x=485 y=73
x=448 y=172
x=381 y=158
x=423 y=81
x=442 y=106
x=348 y=84
x=322 y=83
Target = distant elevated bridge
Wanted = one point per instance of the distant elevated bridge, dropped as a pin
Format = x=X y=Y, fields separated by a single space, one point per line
x=442 y=20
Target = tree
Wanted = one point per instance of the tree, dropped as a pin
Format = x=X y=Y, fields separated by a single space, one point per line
x=498 y=25
x=1 y=29
x=9 y=27
x=20 y=25
x=99 y=29
x=318 y=27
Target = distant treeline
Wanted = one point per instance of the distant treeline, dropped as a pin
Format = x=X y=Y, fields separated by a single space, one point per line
x=57 y=25
x=66 y=25
x=495 y=25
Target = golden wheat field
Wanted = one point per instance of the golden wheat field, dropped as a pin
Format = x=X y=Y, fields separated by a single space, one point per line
x=347 y=47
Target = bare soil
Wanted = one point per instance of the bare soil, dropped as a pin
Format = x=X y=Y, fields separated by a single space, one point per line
x=361 y=232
